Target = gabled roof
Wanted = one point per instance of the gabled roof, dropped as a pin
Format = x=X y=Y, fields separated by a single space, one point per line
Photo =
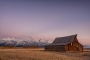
x=63 y=40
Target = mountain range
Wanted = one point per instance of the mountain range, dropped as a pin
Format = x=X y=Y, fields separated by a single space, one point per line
x=19 y=42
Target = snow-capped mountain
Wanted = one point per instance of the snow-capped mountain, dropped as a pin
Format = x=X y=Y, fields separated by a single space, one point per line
x=17 y=42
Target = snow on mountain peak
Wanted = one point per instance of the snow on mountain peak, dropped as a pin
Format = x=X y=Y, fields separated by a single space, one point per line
x=21 y=42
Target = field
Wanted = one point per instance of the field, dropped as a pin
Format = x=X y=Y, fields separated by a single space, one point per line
x=41 y=54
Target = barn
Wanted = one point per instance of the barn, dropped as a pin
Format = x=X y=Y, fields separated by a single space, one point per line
x=65 y=44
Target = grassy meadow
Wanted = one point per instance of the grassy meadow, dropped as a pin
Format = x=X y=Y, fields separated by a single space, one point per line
x=41 y=54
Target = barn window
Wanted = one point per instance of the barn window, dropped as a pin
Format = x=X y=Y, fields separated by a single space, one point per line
x=71 y=44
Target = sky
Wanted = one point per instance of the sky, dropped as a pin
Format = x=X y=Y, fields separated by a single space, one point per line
x=45 y=19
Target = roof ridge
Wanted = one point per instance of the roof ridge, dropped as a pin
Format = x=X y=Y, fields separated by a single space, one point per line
x=66 y=36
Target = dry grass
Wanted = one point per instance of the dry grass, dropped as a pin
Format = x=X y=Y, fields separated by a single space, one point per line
x=40 y=54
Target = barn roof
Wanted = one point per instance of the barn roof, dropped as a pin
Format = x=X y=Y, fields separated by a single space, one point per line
x=63 y=40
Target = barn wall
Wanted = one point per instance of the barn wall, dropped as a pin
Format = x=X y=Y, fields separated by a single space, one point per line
x=80 y=47
x=77 y=45
x=70 y=47
x=74 y=46
x=55 y=48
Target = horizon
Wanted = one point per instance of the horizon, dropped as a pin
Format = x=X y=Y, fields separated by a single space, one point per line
x=45 y=19
x=33 y=39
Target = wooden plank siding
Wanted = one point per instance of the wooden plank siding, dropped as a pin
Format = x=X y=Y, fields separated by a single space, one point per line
x=55 y=48
x=74 y=46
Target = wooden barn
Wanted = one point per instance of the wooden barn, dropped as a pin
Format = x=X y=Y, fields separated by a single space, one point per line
x=64 y=44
